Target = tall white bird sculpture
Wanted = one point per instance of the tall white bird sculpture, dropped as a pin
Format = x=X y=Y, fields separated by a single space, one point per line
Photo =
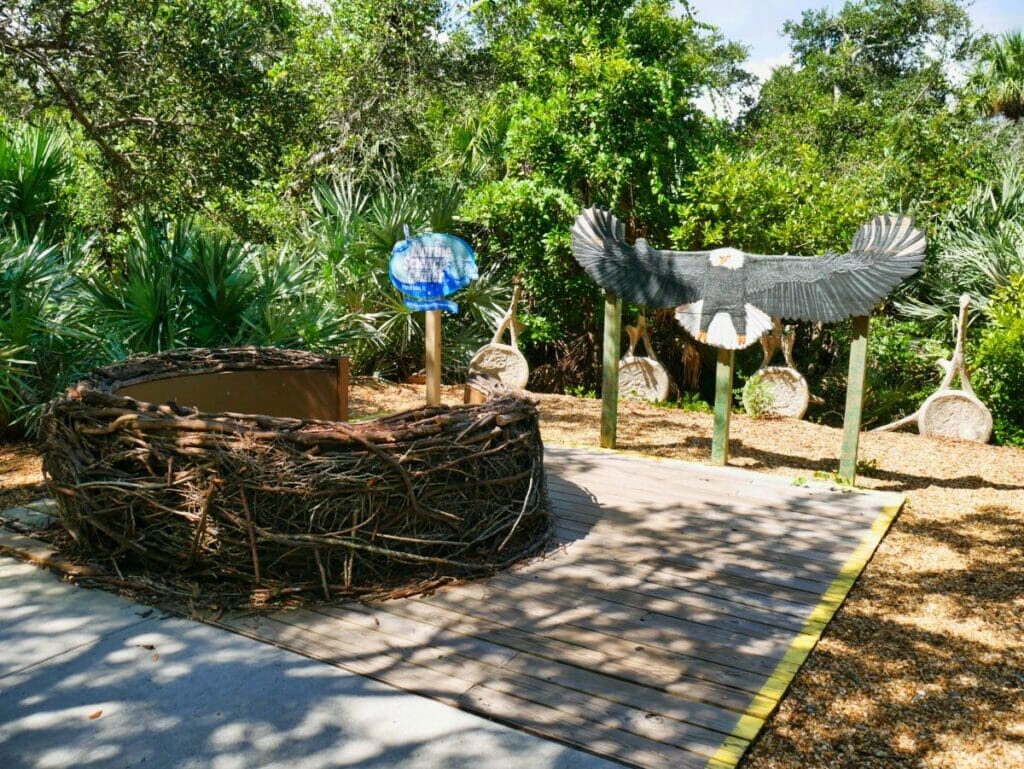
x=727 y=298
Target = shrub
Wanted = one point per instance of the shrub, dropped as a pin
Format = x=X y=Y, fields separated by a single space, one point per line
x=349 y=237
x=999 y=363
x=43 y=339
x=181 y=285
x=33 y=164
x=978 y=247
x=901 y=370
x=762 y=204
x=526 y=227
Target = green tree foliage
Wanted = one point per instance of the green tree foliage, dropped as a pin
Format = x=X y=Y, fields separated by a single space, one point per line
x=979 y=247
x=999 y=362
x=858 y=123
x=880 y=42
x=597 y=107
x=528 y=227
x=770 y=204
x=183 y=285
x=997 y=84
x=183 y=101
x=33 y=164
x=380 y=76
x=43 y=336
x=350 y=234
x=601 y=97
x=980 y=251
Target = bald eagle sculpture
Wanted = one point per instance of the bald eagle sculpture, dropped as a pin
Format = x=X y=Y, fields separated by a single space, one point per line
x=728 y=298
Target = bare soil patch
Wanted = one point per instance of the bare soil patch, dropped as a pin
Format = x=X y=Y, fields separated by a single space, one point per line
x=21 y=477
x=924 y=664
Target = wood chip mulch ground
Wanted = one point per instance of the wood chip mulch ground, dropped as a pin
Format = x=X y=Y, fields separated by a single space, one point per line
x=924 y=664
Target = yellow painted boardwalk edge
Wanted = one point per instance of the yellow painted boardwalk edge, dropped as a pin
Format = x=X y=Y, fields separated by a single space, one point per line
x=735 y=745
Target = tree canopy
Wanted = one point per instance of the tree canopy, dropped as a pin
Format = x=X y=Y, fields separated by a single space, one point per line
x=294 y=140
x=601 y=96
x=183 y=101
x=860 y=121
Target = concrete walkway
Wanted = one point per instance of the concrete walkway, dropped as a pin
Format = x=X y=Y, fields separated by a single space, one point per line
x=88 y=679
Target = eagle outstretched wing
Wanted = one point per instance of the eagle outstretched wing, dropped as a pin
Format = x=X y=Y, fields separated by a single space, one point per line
x=836 y=286
x=638 y=273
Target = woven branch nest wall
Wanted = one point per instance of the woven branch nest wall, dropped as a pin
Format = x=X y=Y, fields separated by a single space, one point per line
x=275 y=505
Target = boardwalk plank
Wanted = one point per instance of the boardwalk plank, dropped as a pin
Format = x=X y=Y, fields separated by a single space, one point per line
x=543 y=673
x=838 y=516
x=755 y=552
x=657 y=481
x=580 y=624
x=701 y=520
x=355 y=641
x=610 y=654
x=659 y=630
x=606 y=572
x=699 y=609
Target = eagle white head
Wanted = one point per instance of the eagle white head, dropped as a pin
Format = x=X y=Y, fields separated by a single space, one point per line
x=730 y=258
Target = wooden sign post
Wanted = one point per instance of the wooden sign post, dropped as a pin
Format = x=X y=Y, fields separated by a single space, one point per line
x=427 y=268
x=433 y=357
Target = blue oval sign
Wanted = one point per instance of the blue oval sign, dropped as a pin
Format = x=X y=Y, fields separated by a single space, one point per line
x=432 y=265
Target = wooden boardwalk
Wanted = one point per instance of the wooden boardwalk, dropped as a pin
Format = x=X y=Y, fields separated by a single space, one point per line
x=660 y=630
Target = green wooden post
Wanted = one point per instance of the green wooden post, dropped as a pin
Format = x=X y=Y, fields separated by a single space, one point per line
x=610 y=370
x=854 y=400
x=723 y=405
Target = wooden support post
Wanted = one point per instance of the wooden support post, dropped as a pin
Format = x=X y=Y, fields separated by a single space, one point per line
x=610 y=370
x=433 y=357
x=723 y=405
x=854 y=400
x=343 y=374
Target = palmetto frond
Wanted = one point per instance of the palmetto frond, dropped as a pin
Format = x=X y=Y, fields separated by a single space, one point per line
x=999 y=79
x=350 y=239
x=981 y=248
x=33 y=160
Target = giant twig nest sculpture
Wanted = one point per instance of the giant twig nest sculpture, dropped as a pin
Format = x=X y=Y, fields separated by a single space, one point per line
x=249 y=504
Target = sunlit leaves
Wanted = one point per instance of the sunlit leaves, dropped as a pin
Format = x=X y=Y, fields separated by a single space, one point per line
x=33 y=162
x=998 y=81
x=602 y=101
x=980 y=248
x=177 y=97
x=350 y=235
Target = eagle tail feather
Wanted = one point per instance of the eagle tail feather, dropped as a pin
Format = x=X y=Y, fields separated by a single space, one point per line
x=721 y=331
x=688 y=316
x=759 y=323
